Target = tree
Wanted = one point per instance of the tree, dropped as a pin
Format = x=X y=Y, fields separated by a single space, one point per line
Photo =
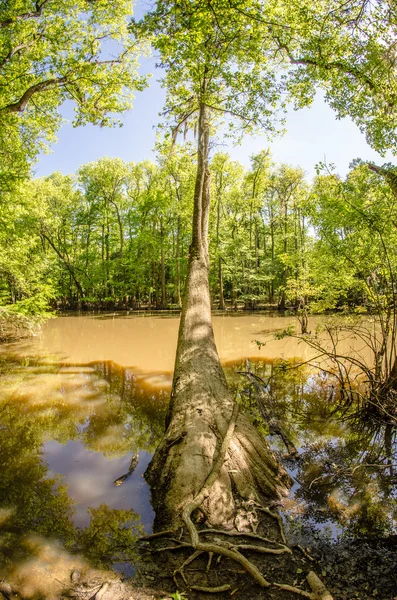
x=52 y=51
x=226 y=180
x=356 y=222
x=349 y=49
x=216 y=63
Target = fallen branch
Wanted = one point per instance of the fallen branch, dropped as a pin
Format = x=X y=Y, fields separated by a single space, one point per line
x=320 y=592
x=211 y=590
x=303 y=552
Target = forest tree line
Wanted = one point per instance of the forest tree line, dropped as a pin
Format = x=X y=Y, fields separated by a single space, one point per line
x=116 y=235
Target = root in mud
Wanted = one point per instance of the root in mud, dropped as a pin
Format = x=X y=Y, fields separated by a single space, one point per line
x=232 y=548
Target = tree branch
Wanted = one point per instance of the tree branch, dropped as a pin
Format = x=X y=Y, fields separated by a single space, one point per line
x=24 y=16
x=20 y=105
x=321 y=64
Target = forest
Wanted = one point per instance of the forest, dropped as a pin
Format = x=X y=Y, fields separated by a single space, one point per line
x=268 y=449
x=117 y=235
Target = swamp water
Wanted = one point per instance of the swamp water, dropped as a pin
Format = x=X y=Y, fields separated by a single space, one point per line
x=80 y=400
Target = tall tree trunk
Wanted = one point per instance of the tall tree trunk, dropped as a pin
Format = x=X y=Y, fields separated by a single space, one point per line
x=218 y=222
x=221 y=295
x=282 y=302
x=163 y=286
x=120 y=224
x=69 y=267
x=273 y=255
x=201 y=404
x=178 y=263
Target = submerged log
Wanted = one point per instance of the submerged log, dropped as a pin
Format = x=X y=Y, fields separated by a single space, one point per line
x=133 y=464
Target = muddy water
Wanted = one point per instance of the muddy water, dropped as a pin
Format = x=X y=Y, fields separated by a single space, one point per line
x=78 y=402
x=146 y=343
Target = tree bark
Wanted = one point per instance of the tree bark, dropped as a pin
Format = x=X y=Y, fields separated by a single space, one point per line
x=201 y=404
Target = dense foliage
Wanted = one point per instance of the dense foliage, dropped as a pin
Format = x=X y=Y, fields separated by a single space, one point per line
x=116 y=235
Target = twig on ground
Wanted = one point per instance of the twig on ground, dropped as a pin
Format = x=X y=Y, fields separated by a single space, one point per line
x=210 y=555
x=294 y=590
x=211 y=590
x=303 y=551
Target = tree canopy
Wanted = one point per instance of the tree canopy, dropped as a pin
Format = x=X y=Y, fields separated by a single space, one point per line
x=53 y=51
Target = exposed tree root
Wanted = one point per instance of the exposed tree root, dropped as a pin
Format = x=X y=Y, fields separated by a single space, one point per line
x=204 y=492
x=226 y=549
x=274 y=516
x=254 y=536
x=263 y=550
x=171 y=548
x=187 y=562
x=236 y=556
x=153 y=536
x=200 y=497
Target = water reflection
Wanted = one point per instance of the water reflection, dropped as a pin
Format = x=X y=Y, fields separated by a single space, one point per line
x=66 y=433
x=69 y=430
x=345 y=475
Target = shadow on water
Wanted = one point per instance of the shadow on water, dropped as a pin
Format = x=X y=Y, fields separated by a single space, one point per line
x=68 y=432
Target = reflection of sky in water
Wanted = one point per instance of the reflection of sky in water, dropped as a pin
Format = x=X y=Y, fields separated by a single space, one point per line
x=90 y=479
x=115 y=410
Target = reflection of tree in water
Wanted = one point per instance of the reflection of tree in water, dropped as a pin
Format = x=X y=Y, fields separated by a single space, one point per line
x=132 y=418
x=111 y=411
x=37 y=405
x=336 y=485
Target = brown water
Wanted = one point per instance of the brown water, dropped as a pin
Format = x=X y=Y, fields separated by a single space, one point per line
x=79 y=400
x=146 y=343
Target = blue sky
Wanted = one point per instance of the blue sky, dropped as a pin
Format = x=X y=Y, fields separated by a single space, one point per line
x=313 y=135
